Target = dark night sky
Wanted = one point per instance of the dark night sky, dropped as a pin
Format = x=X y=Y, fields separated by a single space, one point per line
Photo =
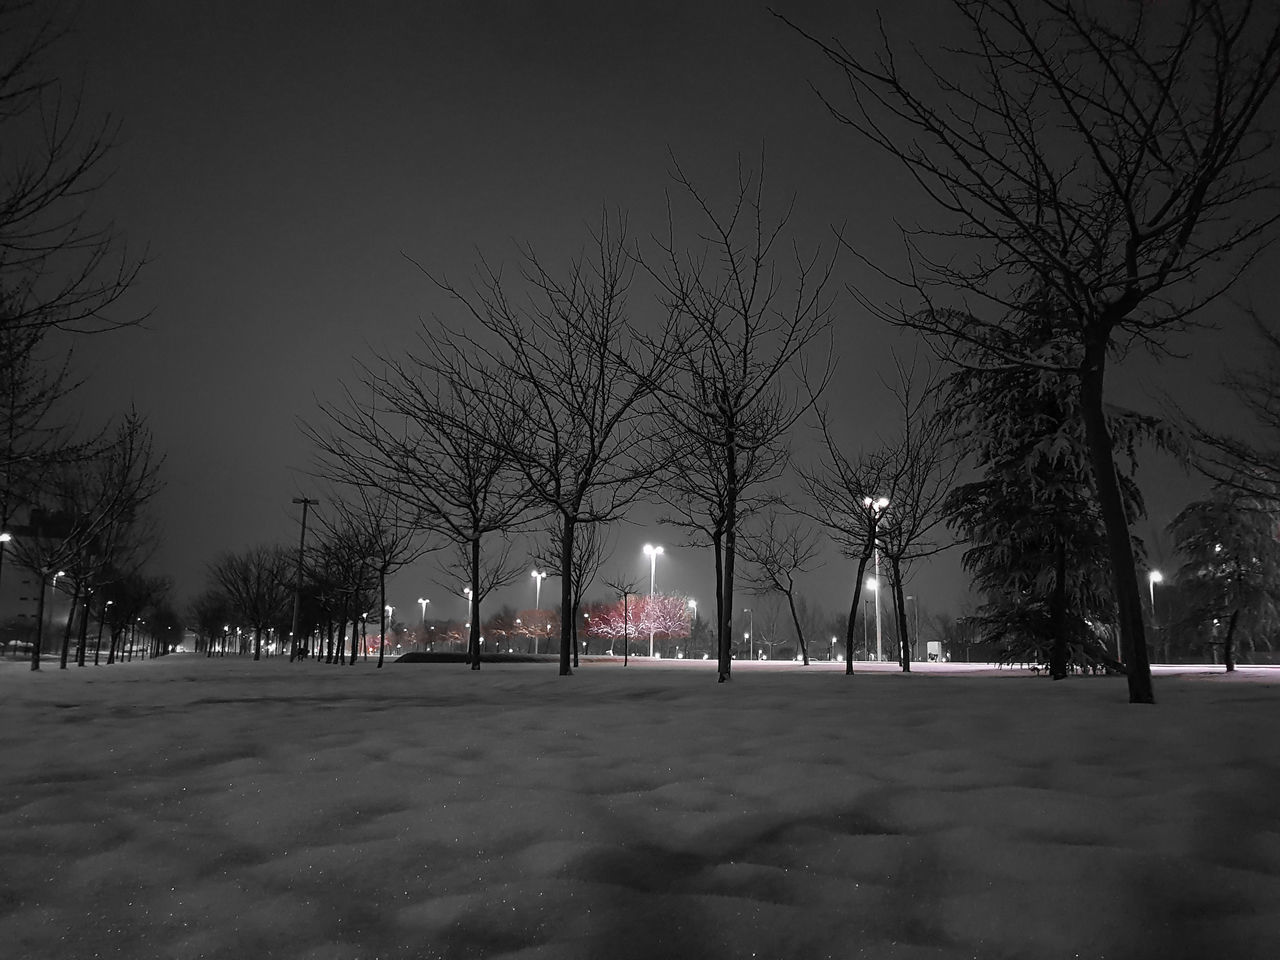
x=279 y=160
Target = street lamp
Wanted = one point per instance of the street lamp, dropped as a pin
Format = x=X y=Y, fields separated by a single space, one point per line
x=873 y=584
x=915 y=643
x=538 y=577
x=297 y=577
x=652 y=553
x=1154 y=577
x=751 y=633
x=423 y=603
x=875 y=507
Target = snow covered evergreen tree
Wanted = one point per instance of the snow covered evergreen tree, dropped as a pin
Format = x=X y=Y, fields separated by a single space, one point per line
x=1038 y=544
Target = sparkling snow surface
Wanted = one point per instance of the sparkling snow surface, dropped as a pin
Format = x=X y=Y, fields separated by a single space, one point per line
x=221 y=808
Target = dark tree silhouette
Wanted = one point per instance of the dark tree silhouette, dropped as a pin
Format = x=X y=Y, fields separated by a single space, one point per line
x=259 y=584
x=1110 y=155
x=747 y=315
x=560 y=362
x=778 y=551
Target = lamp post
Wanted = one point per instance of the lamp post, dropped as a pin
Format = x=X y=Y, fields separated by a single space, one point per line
x=1154 y=577
x=915 y=639
x=422 y=602
x=873 y=584
x=4 y=538
x=652 y=553
x=875 y=507
x=97 y=647
x=297 y=580
x=693 y=623
x=751 y=633
x=538 y=577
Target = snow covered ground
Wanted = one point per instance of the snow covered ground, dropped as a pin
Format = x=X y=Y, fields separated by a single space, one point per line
x=222 y=808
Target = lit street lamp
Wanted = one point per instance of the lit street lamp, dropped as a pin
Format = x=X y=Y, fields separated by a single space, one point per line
x=652 y=553
x=538 y=577
x=751 y=633
x=1154 y=577
x=874 y=509
x=423 y=603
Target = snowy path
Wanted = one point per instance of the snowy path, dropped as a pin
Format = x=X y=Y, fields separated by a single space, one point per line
x=198 y=808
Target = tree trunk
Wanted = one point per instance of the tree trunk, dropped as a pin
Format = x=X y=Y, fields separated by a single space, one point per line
x=473 y=607
x=66 y=632
x=853 y=615
x=382 y=595
x=355 y=647
x=730 y=553
x=1228 y=645
x=257 y=641
x=82 y=643
x=1058 y=615
x=626 y=639
x=900 y=615
x=1124 y=575
x=722 y=650
x=804 y=650
x=566 y=594
x=35 y=648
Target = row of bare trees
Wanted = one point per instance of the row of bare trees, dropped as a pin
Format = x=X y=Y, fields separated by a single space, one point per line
x=550 y=409
x=71 y=497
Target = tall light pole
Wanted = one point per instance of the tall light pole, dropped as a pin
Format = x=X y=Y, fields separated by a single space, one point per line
x=751 y=633
x=693 y=624
x=297 y=580
x=915 y=640
x=652 y=553
x=4 y=538
x=1154 y=577
x=873 y=584
x=538 y=577
x=875 y=507
x=422 y=602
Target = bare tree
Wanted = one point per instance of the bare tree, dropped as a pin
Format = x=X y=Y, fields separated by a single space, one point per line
x=848 y=496
x=745 y=332
x=433 y=439
x=83 y=507
x=1109 y=155
x=390 y=543
x=340 y=570
x=625 y=589
x=779 y=551
x=1249 y=464
x=922 y=469
x=259 y=586
x=562 y=364
x=590 y=550
x=58 y=267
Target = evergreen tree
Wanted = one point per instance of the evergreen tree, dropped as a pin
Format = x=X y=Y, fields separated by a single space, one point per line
x=1038 y=544
x=1232 y=563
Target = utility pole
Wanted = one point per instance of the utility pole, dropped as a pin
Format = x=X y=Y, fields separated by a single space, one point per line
x=297 y=582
